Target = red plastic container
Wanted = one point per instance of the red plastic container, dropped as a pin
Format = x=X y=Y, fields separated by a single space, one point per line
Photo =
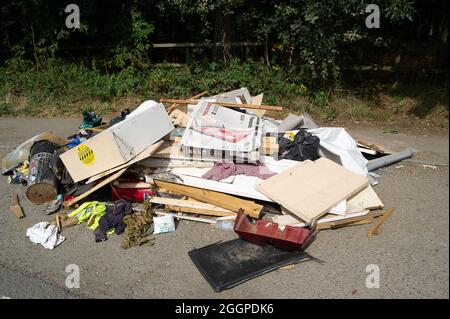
x=263 y=232
x=131 y=194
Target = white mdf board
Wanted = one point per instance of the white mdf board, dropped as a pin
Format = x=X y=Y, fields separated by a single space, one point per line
x=136 y=133
x=311 y=189
x=242 y=186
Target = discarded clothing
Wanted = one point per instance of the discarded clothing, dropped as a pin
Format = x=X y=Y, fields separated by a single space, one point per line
x=138 y=228
x=300 y=147
x=89 y=212
x=45 y=234
x=113 y=219
x=225 y=169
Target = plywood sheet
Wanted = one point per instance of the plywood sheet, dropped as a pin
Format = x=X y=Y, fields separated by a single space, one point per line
x=310 y=189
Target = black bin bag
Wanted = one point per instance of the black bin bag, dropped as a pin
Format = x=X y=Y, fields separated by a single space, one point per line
x=305 y=146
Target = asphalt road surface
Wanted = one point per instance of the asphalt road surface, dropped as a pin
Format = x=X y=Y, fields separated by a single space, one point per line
x=411 y=250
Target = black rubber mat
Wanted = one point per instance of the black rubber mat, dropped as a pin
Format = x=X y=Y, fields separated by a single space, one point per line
x=225 y=265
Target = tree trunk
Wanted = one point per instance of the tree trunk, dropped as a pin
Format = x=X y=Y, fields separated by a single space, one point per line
x=223 y=33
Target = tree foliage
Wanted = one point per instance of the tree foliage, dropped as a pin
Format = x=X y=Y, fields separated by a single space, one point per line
x=309 y=38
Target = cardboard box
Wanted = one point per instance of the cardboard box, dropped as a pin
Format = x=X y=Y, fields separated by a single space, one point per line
x=120 y=143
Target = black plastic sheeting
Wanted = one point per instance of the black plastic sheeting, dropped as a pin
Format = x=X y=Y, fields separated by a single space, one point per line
x=228 y=264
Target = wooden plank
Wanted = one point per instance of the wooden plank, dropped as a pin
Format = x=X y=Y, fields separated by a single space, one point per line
x=15 y=207
x=194 y=207
x=199 y=211
x=174 y=105
x=310 y=189
x=143 y=155
x=96 y=187
x=364 y=221
x=215 y=198
x=195 y=219
x=227 y=104
x=285 y=220
x=374 y=230
x=152 y=162
x=376 y=147
x=349 y=221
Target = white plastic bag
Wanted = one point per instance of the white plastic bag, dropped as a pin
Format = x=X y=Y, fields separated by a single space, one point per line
x=337 y=141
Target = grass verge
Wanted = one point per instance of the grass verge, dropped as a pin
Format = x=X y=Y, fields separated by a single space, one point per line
x=58 y=89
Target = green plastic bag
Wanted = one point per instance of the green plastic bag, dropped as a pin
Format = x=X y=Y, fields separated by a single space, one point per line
x=90 y=120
